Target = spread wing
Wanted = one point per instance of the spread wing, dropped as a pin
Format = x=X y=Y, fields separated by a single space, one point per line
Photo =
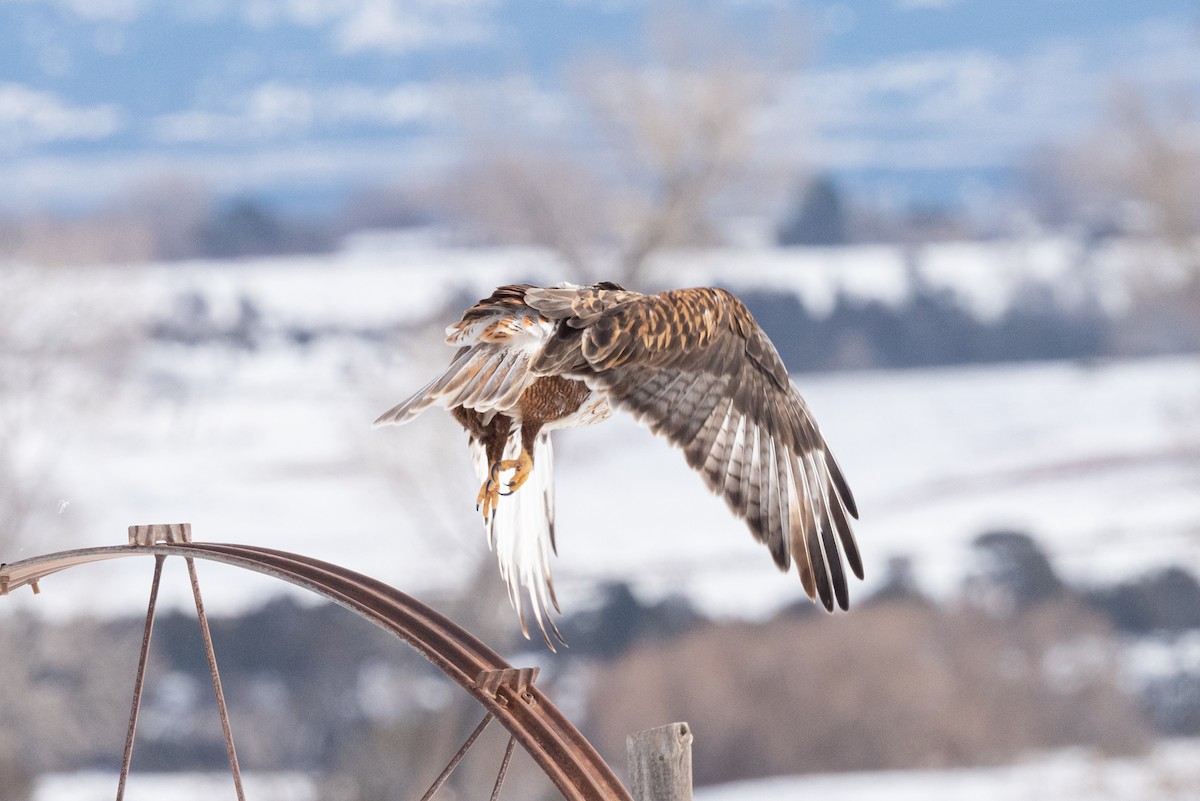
x=695 y=367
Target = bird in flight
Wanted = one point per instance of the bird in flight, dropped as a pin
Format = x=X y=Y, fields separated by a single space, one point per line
x=690 y=364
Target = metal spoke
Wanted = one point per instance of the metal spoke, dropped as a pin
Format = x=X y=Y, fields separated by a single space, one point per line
x=512 y=743
x=454 y=760
x=216 y=680
x=567 y=759
x=140 y=678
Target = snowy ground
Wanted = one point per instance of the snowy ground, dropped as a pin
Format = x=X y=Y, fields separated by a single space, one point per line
x=1171 y=772
x=273 y=447
x=99 y=786
x=1100 y=462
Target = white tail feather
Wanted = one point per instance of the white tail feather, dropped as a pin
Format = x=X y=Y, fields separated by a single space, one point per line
x=522 y=534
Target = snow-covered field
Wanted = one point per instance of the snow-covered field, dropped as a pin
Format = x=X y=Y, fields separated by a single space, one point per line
x=1170 y=772
x=1100 y=462
x=273 y=446
x=98 y=786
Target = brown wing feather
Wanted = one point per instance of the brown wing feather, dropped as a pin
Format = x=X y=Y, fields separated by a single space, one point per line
x=694 y=366
x=579 y=306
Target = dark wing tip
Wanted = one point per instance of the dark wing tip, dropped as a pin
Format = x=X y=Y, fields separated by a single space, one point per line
x=819 y=571
x=835 y=573
x=845 y=534
x=840 y=483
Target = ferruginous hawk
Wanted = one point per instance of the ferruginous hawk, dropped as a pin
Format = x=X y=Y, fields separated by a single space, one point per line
x=693 y=366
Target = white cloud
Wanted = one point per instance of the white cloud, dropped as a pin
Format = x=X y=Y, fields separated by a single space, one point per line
x=282 y=111
x=399 y=26
x=99 y=10
x=909 y=5
x=391 y=26
x=1159 y=54
x=31 y=117
x=958 y=108
x=401 y=105
x=30 y=183
x=305 y=13
x=933 y=87
x=944 y=109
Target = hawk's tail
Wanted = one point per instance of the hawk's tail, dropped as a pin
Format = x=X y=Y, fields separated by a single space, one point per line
x=521 y=532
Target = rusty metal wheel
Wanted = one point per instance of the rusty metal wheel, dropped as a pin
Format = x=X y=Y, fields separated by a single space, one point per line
x=507 y=694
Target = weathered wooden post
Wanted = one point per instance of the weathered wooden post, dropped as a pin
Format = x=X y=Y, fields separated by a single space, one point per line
x=660 y=763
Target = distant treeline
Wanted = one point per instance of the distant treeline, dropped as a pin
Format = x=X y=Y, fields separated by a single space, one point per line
x=175 y=219
x=930 y=328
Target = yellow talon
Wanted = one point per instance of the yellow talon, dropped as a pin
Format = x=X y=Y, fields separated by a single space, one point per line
x=488 y=497
x=521 y=468
x=489 y=493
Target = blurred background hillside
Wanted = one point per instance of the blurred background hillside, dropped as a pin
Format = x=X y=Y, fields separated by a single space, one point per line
x=232 y=233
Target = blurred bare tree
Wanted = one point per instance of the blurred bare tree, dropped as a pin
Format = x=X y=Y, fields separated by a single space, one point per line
x=57 y=695
x=65 y=341
x=1156 y=165
x=153 y=221
x=638 y=157
x=16 y=778
x=172 y=209
x=1138 y=176
x=906 y=685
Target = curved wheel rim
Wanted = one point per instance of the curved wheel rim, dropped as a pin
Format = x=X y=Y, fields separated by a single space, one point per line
x=554 y=743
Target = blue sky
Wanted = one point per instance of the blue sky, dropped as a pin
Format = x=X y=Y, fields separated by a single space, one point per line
x=301 y=99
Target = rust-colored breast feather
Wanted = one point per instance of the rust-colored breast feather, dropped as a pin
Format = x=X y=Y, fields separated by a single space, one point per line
x=552 y=398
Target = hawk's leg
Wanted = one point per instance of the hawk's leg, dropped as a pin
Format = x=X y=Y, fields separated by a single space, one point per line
x=492 y=433
x=522 y=466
